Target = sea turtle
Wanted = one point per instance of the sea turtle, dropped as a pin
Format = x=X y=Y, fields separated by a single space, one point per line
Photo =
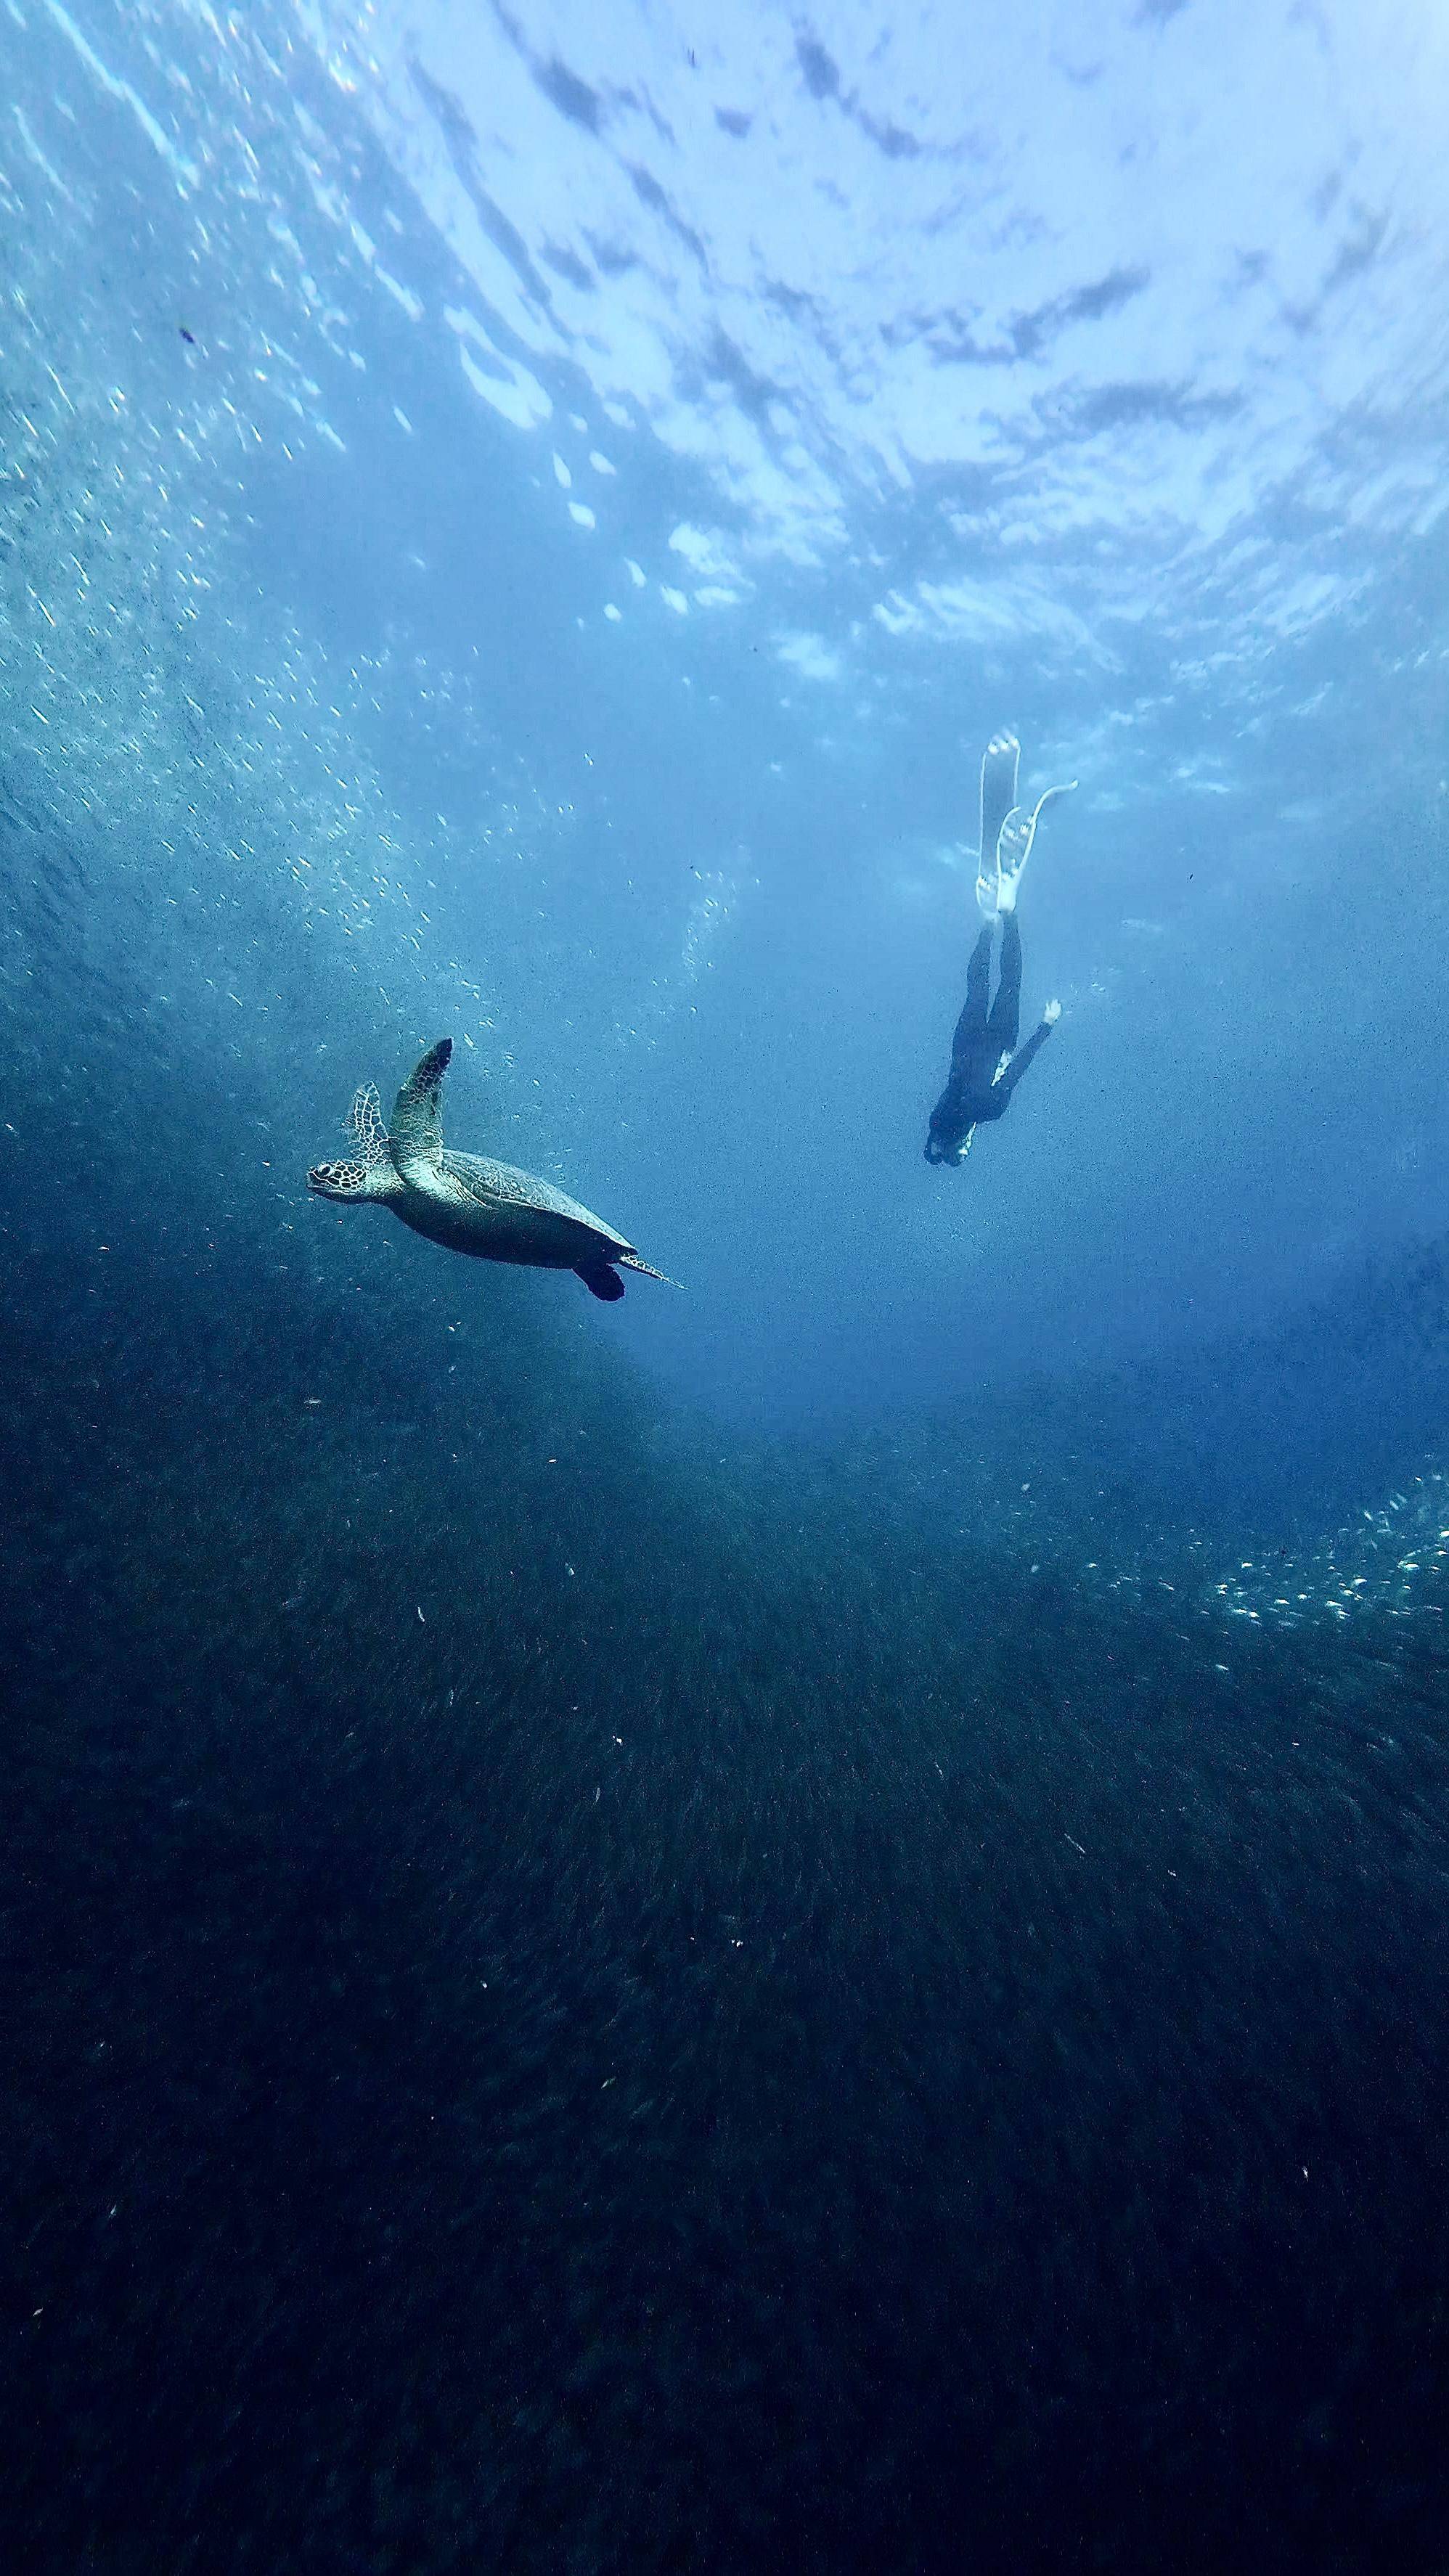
x=463 y=1200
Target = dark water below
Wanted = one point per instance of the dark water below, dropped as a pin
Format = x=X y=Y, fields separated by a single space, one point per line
x=579 y=1999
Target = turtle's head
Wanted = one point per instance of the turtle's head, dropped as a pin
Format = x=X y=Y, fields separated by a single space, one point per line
x=368 y=1172
x=351 y=1180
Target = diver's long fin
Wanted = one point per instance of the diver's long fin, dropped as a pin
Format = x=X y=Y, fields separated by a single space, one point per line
x=1014 y=844
x=999 y=764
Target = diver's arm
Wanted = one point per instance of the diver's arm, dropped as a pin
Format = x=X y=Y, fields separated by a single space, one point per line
x=1023 y=1056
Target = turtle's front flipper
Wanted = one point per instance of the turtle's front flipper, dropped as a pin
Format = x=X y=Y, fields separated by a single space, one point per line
x=417 y=1123
x=603 y=1282
x=365 y=1127
x=999 y=765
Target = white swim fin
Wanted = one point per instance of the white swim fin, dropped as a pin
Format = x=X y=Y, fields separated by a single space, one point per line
x=999 y=764
x=1014 y=845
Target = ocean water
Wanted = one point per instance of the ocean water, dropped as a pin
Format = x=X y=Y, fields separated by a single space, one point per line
x=801 y=1922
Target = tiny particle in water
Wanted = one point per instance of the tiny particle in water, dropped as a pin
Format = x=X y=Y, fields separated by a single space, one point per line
x=188 y=336
x=420 y=1615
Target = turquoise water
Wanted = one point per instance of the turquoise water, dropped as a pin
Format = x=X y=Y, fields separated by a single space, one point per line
x=799 y=1921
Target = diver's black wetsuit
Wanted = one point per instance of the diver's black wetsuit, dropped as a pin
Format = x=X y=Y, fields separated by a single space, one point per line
x=982 y=1038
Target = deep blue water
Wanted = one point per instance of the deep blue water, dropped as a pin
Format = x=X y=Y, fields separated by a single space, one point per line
x=799 y=1923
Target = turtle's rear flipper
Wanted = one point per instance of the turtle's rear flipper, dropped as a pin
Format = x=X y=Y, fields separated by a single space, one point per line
x=603 y=1282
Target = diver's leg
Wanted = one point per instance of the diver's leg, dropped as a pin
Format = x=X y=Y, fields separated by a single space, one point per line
x=1004 y=1025
x=972 y=1061
x=978 y=985
x=969 y=1043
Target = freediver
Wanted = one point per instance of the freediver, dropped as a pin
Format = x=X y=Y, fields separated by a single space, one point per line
x=985 y=1063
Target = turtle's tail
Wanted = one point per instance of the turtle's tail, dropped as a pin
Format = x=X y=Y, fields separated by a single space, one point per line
x=631 y=1261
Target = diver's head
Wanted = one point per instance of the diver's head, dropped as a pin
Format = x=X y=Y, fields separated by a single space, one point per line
x=947 y=1144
